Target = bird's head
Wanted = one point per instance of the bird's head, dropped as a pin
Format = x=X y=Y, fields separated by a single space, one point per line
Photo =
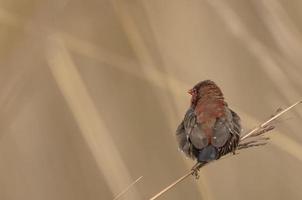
x=205 y=88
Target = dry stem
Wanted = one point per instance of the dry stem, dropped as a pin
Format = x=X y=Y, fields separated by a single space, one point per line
x=127 y=188
x=259 y=130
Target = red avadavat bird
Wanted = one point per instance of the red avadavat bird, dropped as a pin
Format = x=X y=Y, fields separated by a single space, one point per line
x=210 y=129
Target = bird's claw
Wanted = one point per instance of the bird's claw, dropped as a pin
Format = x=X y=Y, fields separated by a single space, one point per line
x=195 y=173
x=195 y=170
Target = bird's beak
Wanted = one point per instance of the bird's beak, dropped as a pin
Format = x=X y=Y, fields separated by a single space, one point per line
x=190 y=91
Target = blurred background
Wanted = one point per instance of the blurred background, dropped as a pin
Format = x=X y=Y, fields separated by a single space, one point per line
x=91 y=93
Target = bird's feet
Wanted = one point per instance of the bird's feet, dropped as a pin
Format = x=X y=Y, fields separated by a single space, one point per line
x=195 y=173
x=195 y=169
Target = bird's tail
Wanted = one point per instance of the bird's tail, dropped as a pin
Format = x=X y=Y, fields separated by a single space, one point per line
x=207 y=154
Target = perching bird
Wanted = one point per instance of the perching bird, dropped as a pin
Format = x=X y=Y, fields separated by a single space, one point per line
x=210 y=129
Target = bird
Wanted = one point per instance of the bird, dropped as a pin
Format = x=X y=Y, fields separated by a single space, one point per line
x=209 y=129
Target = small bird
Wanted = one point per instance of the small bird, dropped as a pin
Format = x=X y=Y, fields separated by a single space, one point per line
x=210 y=129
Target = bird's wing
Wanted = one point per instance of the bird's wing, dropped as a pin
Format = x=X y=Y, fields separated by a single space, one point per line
x=188 y=134
x=226 y=127
x=194 y=130
x=236 y=123
x=183 y=143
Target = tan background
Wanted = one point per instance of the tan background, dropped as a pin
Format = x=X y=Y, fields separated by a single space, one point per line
x=91 y=93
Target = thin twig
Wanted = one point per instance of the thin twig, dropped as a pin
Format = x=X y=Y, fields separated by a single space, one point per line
x=172 y=185
x=263 y=126
x=127 y=188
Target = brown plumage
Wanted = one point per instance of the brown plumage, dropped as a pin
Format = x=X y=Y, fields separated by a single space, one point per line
x=210 y=129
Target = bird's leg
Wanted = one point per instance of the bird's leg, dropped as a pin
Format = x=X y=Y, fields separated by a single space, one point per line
x=195 y=169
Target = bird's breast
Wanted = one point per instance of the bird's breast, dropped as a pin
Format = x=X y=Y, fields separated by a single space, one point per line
x=207 y=113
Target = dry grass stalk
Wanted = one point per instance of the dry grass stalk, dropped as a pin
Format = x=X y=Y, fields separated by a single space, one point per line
x=257 y=131
x=127 y=188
